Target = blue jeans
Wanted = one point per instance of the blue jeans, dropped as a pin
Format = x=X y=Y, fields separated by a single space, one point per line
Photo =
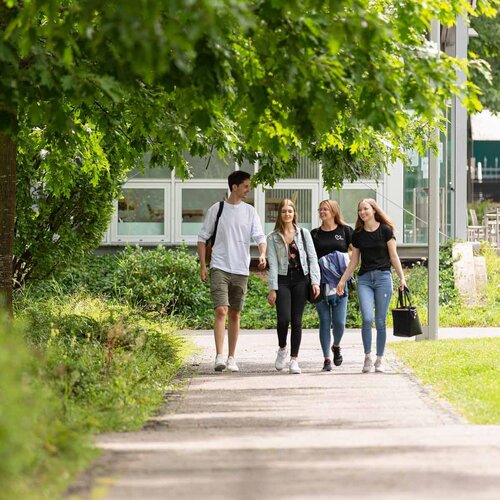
x=331 y=315
x=374 y=288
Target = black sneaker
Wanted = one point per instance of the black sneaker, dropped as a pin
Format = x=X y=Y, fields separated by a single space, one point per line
x=337 y=357
x=327 y=365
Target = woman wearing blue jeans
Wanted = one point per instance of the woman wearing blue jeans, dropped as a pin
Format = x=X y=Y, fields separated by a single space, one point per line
x=333 y=235
x=373 y=241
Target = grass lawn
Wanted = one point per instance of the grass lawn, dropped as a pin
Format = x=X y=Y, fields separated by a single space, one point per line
x=465 y=372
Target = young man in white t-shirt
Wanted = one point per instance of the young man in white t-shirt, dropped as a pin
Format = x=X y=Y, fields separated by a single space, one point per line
x=229 y=265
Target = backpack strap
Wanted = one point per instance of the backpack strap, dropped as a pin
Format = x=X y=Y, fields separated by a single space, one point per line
x=219 y=213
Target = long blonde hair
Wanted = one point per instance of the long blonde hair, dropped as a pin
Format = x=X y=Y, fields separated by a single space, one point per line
x=380 y=215
x=280 y=226
x=334 y=207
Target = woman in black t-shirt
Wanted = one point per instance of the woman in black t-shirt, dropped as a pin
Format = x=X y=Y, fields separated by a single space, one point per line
x=373 y=240
x=333 y=235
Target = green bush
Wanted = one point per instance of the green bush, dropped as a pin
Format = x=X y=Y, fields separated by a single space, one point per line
x=35 y=440
x=86 y=364
x=161 y=280
x=101 y=357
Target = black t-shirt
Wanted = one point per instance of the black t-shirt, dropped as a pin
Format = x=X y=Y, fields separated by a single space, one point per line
x=373 y=248
x=326 y=242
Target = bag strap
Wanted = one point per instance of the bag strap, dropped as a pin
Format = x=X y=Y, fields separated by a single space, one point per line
x=404 y=298
x=307 y=253
x=219 y=213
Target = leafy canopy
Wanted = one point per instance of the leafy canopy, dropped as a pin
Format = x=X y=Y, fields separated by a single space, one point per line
x=352 y=82
x=487 y=46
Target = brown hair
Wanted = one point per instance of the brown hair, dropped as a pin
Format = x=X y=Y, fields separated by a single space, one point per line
x=380 y=215
x=279 y=226
x=334 y=207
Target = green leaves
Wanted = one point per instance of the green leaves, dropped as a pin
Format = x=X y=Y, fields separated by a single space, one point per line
x=351 y=82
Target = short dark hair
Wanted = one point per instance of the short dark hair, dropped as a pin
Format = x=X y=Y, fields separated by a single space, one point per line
x=237 y=177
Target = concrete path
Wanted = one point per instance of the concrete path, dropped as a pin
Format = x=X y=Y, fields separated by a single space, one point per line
x=260 y=434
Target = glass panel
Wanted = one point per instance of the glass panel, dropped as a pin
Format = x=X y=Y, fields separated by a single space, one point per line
x=307 y=169
x=416 y=201
x=141 y=212
x=195 y=203
x=150 y=173
x=215 y=169
x=302 y=199
x=447 y=178
x=348 y=200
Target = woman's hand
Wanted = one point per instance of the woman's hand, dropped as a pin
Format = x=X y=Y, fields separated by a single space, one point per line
x=271 y=297
x=402 y=284
x=315 y=291
x=340 y=288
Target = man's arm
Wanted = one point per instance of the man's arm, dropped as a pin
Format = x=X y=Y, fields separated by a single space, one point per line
x=262 y=256
x=205 y=233
x=202 y=246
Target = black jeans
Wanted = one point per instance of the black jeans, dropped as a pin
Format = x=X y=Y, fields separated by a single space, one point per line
x=290 y=301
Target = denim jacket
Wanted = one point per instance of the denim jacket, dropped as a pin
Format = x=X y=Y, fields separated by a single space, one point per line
x=277 y=256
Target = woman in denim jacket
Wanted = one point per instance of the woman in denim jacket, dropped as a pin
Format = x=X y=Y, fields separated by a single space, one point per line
x=292 y=258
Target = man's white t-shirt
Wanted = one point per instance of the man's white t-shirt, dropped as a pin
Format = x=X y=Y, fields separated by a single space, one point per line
x=238 y=225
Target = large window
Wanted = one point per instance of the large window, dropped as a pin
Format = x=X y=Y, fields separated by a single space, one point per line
x=195 y=203
x=141 y=212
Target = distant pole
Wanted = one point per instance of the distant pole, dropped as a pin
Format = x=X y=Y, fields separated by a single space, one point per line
x=433 y=235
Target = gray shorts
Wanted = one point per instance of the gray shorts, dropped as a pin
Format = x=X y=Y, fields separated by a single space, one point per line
x=228 y=289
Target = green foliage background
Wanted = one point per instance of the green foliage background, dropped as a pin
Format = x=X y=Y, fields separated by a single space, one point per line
x=166 y=283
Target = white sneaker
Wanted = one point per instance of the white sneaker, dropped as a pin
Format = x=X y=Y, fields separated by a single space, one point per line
x=294 y=367
x=379 y=366
x=368 y=364
x=280 y=362
x=219 y=365
x=231 y=365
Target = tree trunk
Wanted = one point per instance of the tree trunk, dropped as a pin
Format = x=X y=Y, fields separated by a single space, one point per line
x=7 y=216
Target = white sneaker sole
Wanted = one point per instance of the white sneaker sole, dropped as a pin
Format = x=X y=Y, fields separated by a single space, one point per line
x=232 y=369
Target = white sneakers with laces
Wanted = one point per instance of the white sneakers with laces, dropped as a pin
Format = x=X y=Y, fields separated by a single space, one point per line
x=219 y=364
x=281 y=356
x=231 y=365
x=379 y=365
x=368 y=364
x=294 y=367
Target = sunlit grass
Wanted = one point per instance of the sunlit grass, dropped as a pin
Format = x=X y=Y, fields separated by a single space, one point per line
x=465 y=372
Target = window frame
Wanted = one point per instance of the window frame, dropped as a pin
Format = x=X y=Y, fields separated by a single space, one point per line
x=116 y=238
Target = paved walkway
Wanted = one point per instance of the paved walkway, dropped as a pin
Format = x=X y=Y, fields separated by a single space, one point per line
x=260 y=434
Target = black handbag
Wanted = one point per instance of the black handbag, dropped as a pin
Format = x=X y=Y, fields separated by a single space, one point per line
x=405 y=317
